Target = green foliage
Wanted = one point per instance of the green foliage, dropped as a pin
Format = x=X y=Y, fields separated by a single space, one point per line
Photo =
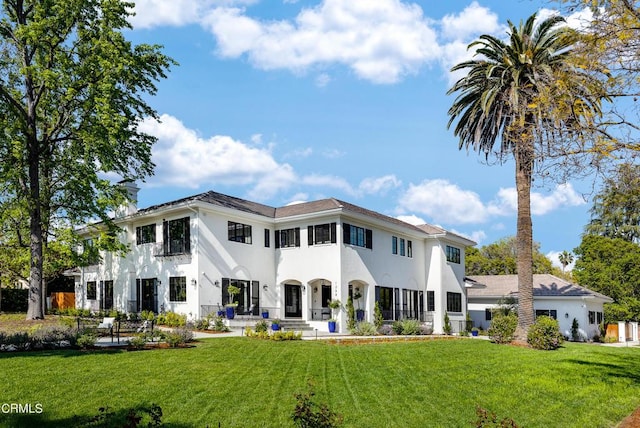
x=233 y=292
x=407 y=327
x=14 y=300
x=545 y=334
x=351 y=315
x=310 y=414
x=502 y=328
x=378 y=319
x=86 y=340
x=261 y=326
x=138 y=341
x=611 y=266
x=500 y=258
x=277 y=336
x=172 y=319
x=178 y=336
x=575 y=331
x=149 y=417
x=219 y=325
x=147 y=315
x=487 y=419
x=506 y=305
x=446 y=327
x=364 y=328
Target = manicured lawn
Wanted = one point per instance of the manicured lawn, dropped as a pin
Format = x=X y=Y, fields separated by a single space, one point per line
x=242 y=382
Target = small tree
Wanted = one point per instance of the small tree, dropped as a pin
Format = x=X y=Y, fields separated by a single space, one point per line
x=545 y=334
x=351 y=315
x=310 y=414
x=503 y=327
x=447 y=324
x=575 y=330
x=233 y=291
x=378 y=318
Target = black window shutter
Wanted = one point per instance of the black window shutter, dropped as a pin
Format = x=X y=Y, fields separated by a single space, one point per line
x=277 y=239
x=255 y=297
x=333 y=233
x=369 y=239
x=225 y=291
x=396 y=301
x=297 y=232
x=165 y=237
x=377 y=293
x=138 y=294
x=187 y=235
x=310 y=235
x=101 y=294
x=138 y=235
x=346 y=233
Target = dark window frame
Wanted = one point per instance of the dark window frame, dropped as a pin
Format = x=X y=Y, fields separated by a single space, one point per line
x=431 y=301
x=357 y=236
x=454 y=302
x=453 y=254
x=288 y=238
x=178 y=289
x=176 y=236
x=92 y=290
x=239 y=232
x=146 y=234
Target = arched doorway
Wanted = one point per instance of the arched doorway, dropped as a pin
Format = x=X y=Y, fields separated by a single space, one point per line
x=292 y=300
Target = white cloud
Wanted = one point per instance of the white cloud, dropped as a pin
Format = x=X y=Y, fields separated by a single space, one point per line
x=476 y=236
x=183 y=158
x=154 y=13
x=473 y=20
x=379 y=41
x=379 y=185
x=323 y=80
x=447 y=203
x=412 y=219
x=332 y=153
x=444 y=202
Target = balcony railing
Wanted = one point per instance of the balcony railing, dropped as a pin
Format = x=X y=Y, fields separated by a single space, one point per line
x=159 y=250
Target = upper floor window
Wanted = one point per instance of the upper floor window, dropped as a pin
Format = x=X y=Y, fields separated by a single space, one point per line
x=394 y=245
x=453 y=254
x=358 y=236
x=454 y=302
x=239 y=232
x=321 y=234
x=267 y=238
x=178 y=289
x=146 y=234
x=402 y=248
x=409 y=249
x=176 y=236
x=90 y=253
x=288 y=238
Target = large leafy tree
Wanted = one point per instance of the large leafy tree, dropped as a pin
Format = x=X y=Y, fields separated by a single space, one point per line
x=72 y=92
x=500 y=258
x=611 y=266
x=525 y=94
x=616 y=207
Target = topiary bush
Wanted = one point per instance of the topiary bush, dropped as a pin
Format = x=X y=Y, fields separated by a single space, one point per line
x=545 y=334
x=503 y=327
x=378 y=318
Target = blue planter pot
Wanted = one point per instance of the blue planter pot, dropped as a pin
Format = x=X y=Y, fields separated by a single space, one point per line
x=474 y=333
x=275 y=327
x=220 y=313
x=332 y=326
x=359 y=315
x=265 y=314
x=231 y=312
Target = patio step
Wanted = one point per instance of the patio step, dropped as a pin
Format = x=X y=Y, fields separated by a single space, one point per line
x=297 y=325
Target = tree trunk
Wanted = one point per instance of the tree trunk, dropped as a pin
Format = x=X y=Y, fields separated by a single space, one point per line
x=524 y=238
x=36 y=301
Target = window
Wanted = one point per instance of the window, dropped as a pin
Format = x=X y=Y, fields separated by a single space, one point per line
x=385 y=300
x=394 y=245
x=453 y=254
x=488 y=314
x=239 y=232
x=90 y=252
x=592 y=317
x=92 y=292
x=358 y=236
x=146 y=234
x=321 y=234
x=402 y=251
x=178 y=289
x=599 y=317
x=287 y=238
x=267 y=238
x=431 y=301
x=176 y=236
x=546 y=312
x=454 y=302
x=410 y=304
x=409 y=249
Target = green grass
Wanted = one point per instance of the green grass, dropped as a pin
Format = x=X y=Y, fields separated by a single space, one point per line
x=242 y=382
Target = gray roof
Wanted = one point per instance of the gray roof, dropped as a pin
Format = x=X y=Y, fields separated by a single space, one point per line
x=544 y=285
x=318 y=206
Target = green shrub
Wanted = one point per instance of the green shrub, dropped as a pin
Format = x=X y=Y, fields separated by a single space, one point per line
x=545 y=334
x=378 y=319
x=172 y=319
x=202 y=323
x=261 y=326
x=396 y=326
x=178 y=336
x=364 y=328
x=53 y=336
x=351 y=314
x=86 y=340
x=138 y=341
x=575 y=331
x=407 y=327
x=310 y=414
x=147 y=315
x=218 y=325
x=446 y=328
x=503 y=327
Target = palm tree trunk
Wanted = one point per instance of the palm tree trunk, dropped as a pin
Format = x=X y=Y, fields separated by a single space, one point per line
x=524 y=237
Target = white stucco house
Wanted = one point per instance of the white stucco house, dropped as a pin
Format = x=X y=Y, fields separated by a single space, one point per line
x=552 y=296
x=290 y=260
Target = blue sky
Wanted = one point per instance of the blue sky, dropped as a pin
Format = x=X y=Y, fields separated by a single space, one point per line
x=281 y=101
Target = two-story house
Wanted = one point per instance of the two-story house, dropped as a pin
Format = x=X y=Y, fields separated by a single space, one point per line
x=290 y=261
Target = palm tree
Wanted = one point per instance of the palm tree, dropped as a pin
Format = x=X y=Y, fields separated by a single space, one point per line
x=511 y=93
x=565 y=258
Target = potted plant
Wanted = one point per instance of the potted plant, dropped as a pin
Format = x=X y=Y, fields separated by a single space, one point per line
x=231 y=306
x=359 y=312
x=265 y=313
x=474 y=331
x=332 y=325
x=334 y=305
x=275 y=324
